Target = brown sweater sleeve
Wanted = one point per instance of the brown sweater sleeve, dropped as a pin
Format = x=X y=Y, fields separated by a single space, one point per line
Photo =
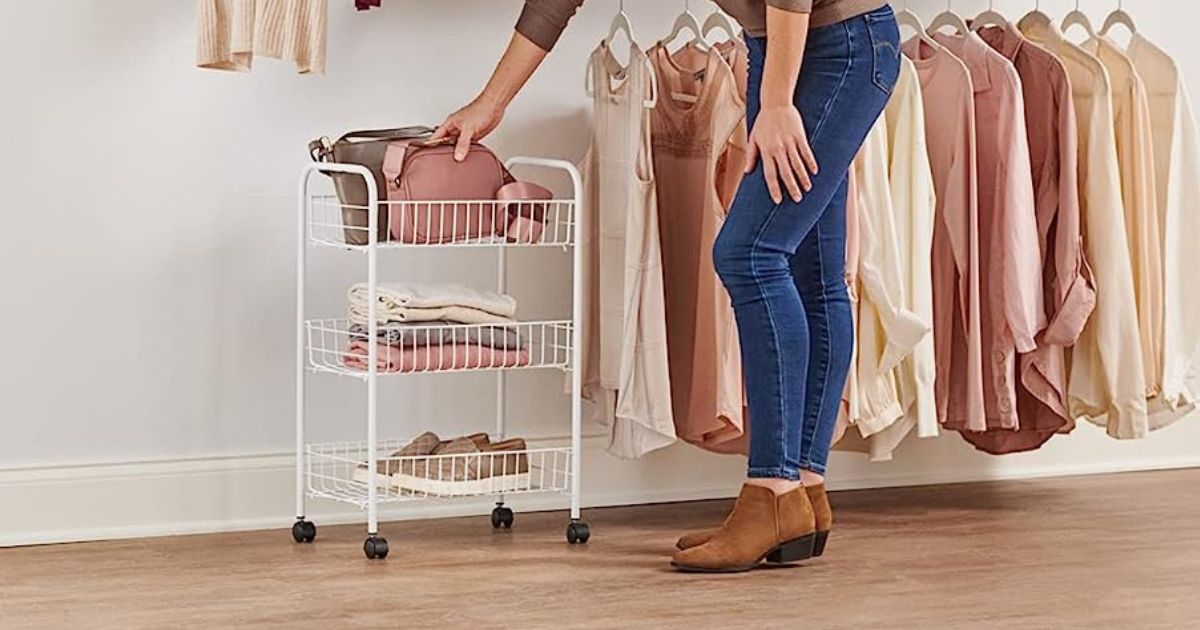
x=543 y=21
x=795 y=6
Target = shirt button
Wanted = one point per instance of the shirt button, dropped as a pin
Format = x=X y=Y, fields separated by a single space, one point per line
x=1001 y=357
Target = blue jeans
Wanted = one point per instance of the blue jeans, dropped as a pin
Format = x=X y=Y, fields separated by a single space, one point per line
x=784 y=264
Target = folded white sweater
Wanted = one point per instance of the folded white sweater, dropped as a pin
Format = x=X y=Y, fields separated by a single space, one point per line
x=410 y=302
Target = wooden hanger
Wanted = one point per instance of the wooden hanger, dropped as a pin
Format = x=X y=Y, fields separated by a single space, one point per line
x=1119 y=18
x=949 y=18
x=991 y=17
x=719 y=22
x=907 y=18
x=1078 y=18
x=687 y=21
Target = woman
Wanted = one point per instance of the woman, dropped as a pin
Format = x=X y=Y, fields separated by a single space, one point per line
x=821 y=72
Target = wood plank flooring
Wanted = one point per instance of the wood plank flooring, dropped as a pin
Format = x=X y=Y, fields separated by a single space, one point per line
x=1101 y=552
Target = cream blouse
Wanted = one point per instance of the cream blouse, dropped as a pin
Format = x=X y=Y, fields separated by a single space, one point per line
x=1177 y=175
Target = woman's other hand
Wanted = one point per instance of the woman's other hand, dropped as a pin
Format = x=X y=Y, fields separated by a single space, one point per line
x=471 y=123
x=779 y=139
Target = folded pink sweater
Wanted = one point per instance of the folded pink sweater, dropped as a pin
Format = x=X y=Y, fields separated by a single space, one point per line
x=453 y=356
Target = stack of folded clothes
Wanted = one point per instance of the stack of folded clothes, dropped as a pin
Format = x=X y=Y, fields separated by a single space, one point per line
x=463 y=466
x=425 y=328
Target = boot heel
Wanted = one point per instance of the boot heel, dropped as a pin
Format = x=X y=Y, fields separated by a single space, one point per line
x=819 y=544
x=793 y=550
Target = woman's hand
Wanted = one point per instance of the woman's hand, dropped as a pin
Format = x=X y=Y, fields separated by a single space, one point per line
x=473 y=122
x=779 y=139
x=482 y=115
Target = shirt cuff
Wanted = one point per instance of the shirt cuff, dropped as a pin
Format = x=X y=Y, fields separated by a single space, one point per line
x=795 y=6
x=1073 y=315
x=904 y=331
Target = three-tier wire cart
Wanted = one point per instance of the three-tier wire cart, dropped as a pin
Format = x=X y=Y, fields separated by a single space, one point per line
x=341 y=471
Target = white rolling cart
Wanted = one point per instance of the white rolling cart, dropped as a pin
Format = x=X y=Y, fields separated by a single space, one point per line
x=339 y=471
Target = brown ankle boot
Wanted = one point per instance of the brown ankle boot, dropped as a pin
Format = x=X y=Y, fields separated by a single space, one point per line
x=824 y=516
x=695 y=539
x=763 y=526
x=821 y=509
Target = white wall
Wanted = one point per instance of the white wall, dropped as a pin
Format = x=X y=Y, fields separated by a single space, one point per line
x=146 y=269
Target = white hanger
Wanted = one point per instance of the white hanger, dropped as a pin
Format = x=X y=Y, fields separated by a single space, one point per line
x=991 y=17
x=1119 y=18
x=1078 y=18
x=907 y=18
x=622 y=23
x=719 y=21
x=688 y=21
x=949 y=18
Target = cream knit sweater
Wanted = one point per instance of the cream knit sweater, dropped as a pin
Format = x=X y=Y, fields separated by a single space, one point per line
x=231 y=32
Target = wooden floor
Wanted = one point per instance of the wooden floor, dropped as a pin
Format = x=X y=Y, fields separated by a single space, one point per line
x=1102 y=552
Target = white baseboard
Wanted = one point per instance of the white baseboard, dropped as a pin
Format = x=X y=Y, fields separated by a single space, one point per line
x=56 y=504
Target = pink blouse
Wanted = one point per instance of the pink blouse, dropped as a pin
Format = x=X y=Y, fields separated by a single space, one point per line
x=946 y=90
x=1010 y=254
x=1068 y=292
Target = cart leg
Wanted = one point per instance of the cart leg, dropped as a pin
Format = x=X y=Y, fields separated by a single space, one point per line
x=502 y=516
x=375 y=547
x=577 y=530
x=303 y=531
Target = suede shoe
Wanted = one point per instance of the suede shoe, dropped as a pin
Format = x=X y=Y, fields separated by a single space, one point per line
x=822 y=511
x=762 y=527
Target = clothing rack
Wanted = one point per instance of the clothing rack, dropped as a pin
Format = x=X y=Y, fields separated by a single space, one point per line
x=340 y=471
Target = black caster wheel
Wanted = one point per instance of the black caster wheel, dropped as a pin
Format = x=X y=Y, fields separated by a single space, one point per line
x=375 y=547
x=578 y=533
x=502 y=517
x=304 y=531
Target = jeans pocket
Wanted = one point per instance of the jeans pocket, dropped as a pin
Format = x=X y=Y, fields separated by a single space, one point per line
x=884 y=36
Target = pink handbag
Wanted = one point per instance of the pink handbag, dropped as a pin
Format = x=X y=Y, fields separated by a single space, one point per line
x=417 y=171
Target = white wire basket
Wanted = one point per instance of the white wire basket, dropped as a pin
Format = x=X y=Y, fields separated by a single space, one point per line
x=339 y=471
x=448 y=223
x=340 y=346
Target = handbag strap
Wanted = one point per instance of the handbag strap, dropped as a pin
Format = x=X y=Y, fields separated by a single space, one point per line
x=321 y=149
x=398 y=133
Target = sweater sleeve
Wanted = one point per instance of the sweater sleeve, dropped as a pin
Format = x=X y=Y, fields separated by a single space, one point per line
x=795 y=6
x=543 y=21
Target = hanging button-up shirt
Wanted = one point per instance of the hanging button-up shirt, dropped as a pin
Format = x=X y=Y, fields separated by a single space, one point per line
x=1068 y=292
x=1107 y=383
x=1135 y=159
x=887 y=331
x=914 y=202
x=947 y=93
x=913 y=206
x=1011 y=279
x=1177 y=174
